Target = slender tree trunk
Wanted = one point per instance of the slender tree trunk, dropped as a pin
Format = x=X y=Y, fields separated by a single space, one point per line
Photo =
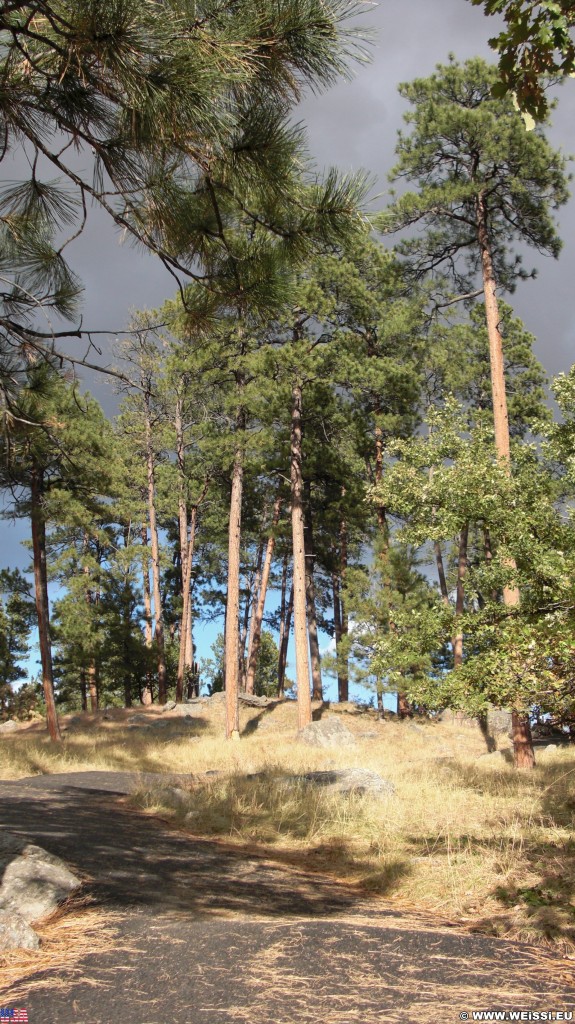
x=258 y=615
x=146 y=696
x=282 y=621
x=380 y=708
x=247 y=633
x=155 y=548
x=282 y=661
x=42 y=603
x=315 y=657
x=342 y=661
x=185 y=666
x=232 y=632
x=83 y=690
x=93 y=686
x=441 y=572
x=498 y=390
x=524 y=754
x=460 y=596
x=299 y=568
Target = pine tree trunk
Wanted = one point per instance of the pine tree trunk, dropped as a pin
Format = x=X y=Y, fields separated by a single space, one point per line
x=524 y=753
x=185 y=666
x=441 y=572
x=93 y=686
x=257 y=617
x=42 y=603
x=299 y=573
x=146 y=697
x=284 y=627
x=155 y=548
x=460 y=596
x=83 y=690
x=343 y=667
x=247 y=634
x=232 y=631
x=498 y=390
x=315 y=657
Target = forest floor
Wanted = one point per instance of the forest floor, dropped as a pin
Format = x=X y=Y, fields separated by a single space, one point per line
x=228 y=898
x=197 y=931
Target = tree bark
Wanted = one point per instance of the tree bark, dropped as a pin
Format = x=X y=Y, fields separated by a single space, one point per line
x=83 y=690
x=524 y=753
x=497 y=365
x=146 y=696
x=247 y=633
x=315 y=657
x=257 y=617
x=42 y=603
x=285 y=622
x=460 y=596
x=441 y=572
x=155 y=548
x=232 y=631
x=185 y=666
x=342 y=659
x=299 y=568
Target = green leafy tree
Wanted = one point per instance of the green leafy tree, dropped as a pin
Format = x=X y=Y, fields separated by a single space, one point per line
x=535 y=46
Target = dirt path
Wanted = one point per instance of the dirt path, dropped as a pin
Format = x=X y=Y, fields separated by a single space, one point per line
x=203 y=934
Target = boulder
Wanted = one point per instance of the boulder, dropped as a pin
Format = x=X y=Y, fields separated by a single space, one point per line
x=34 y=881
x=9 y=726
x=351 y=780
x=498 y=721
x=138 y=719
x=170 y=706
x=253 y=700
x=181 y=711
x=328 y=732
x=16 y=933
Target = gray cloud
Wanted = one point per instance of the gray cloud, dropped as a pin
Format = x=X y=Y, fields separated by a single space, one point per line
x=352 y=126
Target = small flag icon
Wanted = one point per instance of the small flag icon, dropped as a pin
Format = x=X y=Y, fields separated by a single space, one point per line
x=21 y=1016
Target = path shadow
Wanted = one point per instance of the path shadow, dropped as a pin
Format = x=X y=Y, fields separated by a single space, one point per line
x=130 y=860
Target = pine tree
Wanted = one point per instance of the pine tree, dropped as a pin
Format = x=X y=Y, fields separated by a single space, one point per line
x=484 y=183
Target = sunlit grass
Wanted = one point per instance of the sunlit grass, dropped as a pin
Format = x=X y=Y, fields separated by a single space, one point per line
x=473 y=842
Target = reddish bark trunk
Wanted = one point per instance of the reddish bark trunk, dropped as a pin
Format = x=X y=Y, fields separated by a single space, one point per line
x=232 y=637
x=42 y=603
x=299 y=568
x=257 y=618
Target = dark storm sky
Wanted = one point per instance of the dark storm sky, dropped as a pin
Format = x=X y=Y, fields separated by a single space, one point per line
x=352 y=126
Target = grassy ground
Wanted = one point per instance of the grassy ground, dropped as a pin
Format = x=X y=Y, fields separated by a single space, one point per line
x=473 y=842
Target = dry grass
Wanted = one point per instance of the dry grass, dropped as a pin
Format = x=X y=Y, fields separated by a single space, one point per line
x=482 y=845
x=73 y=932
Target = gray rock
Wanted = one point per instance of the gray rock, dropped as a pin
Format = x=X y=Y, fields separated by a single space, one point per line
x=138 y=719
x=16 y=933
x=34 y=881
x=253 y=700
x=328 y=732
x=351 y=780
x=181 y=711
x=170 y=706
x=9 y=726
x=498 y=721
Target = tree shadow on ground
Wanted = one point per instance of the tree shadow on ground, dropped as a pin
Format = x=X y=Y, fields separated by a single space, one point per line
x=130 y=861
